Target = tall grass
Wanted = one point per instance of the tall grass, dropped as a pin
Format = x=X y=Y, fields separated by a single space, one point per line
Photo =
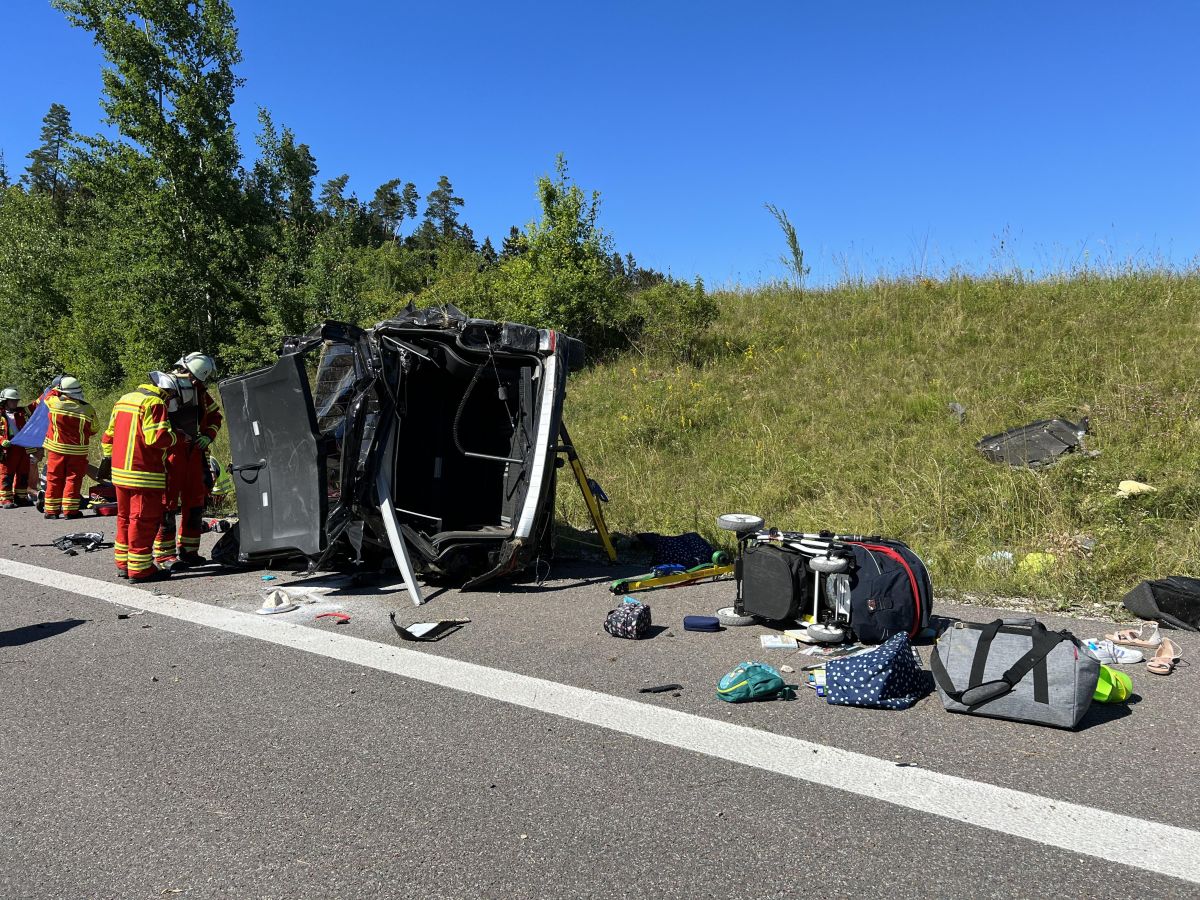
x=829 y=410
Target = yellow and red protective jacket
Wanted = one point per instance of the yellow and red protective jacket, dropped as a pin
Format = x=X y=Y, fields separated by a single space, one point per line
x=137 y=438
x=21 y=415
x=72 y=425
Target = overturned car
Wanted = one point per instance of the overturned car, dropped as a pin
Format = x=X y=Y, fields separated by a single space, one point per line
x=430 y=439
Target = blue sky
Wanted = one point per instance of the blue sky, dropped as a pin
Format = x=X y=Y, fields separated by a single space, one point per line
x=896 y=135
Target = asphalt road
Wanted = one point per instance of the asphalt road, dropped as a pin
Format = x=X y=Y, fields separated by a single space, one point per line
x=149 y=756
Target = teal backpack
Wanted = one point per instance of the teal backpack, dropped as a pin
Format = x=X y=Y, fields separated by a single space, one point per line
x=751 y=681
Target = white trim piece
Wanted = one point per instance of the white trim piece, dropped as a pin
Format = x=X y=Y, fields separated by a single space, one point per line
x=536 y=476
x=383 y=487
x=1126 y=840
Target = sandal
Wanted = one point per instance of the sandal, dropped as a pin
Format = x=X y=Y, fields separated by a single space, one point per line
x=1146 y=636
x=1165 y=659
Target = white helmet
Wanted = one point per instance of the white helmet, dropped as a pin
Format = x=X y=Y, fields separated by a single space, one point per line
x=10 y=394
x=201 y=367
x=185 y=392
x=71 y=387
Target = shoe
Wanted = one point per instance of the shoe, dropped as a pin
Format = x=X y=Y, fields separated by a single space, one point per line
x=122 y=573
x=1165 y=658
x=8 y=506
x=73 y=515
x=49 y=515
x=1112 y=654
x=188 y=560
x=1146 y=636
x=155 y=575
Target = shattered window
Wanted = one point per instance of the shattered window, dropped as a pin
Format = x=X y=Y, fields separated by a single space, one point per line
x=333 y=391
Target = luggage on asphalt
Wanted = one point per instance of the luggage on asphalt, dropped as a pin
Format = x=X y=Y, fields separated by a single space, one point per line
x=1014 y=669
x=884 y=587
x=629 y=620
x=888 y=677
x=752 y=681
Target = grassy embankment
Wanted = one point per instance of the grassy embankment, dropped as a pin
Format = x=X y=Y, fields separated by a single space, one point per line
x=829 y=410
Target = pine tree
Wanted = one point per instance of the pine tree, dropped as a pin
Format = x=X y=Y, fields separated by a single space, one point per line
x=514 y=245
x=333 y=200
x=488 y=252
x=391 y=205
x=441 y=209
x=47 y=164
x=4 y=182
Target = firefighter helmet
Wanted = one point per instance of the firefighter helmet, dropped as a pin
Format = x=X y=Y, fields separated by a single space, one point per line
x=10 y=394
x=71 y=387
x=182 y=388
x=199 y=366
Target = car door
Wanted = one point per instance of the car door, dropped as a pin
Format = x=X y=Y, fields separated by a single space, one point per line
x=278 y=460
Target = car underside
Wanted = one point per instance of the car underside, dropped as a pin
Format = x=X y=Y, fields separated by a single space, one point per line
x=429 y=440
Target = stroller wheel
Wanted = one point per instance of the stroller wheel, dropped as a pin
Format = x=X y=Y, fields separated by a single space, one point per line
x=739 y=522
x=727 y=615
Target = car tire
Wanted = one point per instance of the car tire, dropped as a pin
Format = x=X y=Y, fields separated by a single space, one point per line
x=727 y=615
x=739 y=522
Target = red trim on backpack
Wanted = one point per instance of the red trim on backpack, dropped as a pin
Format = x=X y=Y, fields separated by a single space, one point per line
x=912 y=579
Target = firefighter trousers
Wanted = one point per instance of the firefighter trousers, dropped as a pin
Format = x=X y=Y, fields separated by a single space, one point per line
x=64 y=482
x=139 y=513
x=14 y=474
x=187 y=494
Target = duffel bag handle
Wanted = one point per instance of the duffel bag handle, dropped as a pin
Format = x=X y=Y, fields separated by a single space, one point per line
x=1018 y=620
x=979 y=692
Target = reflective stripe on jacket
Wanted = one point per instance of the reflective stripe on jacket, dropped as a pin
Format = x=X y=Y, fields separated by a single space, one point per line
x=20 y=414
x=72 y=425
x=137 y=439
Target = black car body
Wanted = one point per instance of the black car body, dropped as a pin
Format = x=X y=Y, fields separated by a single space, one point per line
x=430 y=439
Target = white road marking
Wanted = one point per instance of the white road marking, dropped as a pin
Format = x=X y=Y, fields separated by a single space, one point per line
x=1138 y=843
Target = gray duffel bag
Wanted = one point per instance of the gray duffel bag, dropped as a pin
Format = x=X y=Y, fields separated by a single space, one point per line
x=1014 y=669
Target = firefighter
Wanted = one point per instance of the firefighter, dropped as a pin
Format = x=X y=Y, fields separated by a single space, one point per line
x=197 y=421
x=14 y=460
x=72 y=425
x=138 y=437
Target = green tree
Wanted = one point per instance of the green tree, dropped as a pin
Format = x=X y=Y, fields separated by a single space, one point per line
x=393 y=202
x=441 y=209
x=168 y=195
x=514 y=244
x=563 y=279
x=281 y=189
x=47 y=164
x=333 y=200
x=34 y=272
x=488 y=253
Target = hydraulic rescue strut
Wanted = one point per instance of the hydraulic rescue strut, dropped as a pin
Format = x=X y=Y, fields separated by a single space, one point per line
x=592 y=494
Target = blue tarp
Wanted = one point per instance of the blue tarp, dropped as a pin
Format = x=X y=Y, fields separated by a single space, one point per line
x=34 y=432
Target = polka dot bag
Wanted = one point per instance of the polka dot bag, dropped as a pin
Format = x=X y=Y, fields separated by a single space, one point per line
x=888 y=677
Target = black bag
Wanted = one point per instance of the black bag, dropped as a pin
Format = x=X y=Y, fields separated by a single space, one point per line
x=890 y=589
x=629 y=620
x=774 y=583
x=1173 y=601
